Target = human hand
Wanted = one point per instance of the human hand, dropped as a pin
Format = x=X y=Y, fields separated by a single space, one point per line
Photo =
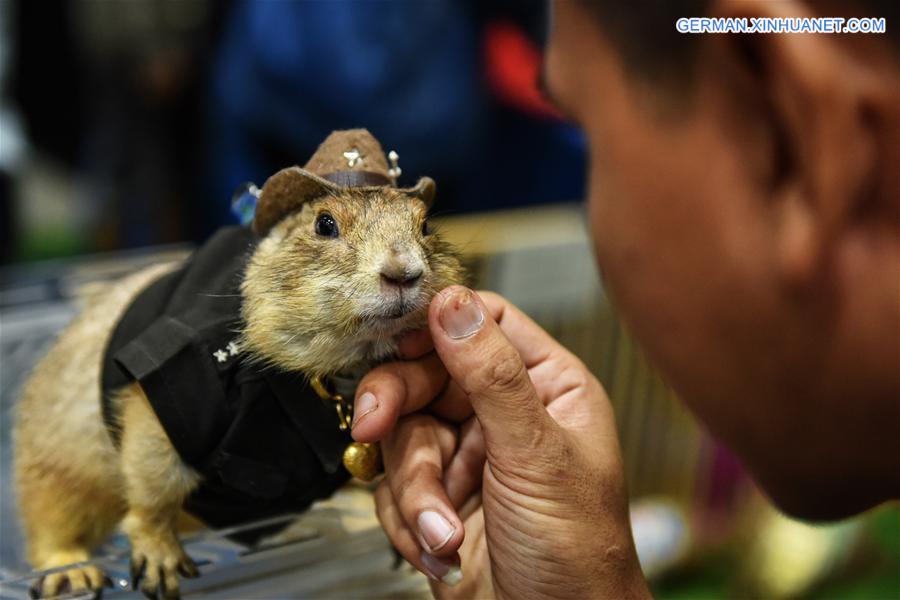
x=540 y=448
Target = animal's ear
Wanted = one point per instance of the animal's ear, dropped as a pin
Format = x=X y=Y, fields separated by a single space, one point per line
x=425 y=190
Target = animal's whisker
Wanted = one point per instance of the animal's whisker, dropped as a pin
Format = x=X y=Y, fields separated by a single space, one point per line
x=221 y=295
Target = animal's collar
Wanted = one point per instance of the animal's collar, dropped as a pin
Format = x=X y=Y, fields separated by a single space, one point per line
x=320 y=388
x=362 y=460
x=344 y=409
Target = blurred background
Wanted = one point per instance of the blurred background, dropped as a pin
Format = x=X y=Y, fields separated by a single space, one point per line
x=131 y=122
x=125 y=126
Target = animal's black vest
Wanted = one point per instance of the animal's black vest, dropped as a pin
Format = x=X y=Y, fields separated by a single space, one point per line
x=263 y=441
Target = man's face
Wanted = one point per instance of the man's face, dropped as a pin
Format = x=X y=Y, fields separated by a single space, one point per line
x=688 y=246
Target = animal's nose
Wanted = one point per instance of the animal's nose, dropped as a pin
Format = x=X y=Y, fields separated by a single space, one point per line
x=400 y=272
x=402 y=279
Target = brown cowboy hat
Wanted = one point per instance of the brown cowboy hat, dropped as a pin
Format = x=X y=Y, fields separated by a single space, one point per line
x=352 y=158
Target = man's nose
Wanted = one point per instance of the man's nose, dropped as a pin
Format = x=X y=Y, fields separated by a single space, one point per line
x=401 y=270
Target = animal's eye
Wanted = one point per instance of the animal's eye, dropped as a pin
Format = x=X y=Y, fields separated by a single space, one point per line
x=326 y=225
x=425 y=229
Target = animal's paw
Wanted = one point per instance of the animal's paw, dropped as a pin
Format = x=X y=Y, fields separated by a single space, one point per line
x=156 y=563
x=79 y=580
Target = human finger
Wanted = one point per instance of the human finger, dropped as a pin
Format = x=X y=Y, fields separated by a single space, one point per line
x=464 y=473
x=489 y=369
x=414 y=344
x=446 y=569
x=414 y=454
x=392 y=389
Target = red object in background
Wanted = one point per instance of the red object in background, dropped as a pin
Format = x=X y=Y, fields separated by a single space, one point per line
x=513 y=66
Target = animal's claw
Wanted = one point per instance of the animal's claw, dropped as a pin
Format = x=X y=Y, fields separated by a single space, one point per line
x=150 y=594
x=80 y=580
x=187 y=568
x=137 y=568
x=151 y=582
x=34 y=592
x=161 y=559
x=168 y=594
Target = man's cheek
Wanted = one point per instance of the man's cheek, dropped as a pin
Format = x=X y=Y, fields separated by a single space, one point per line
x=612 y=226
x=614 y=251
x=602 y=234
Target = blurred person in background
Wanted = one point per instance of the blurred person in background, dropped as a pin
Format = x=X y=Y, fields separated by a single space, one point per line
x=450 y=85
x=745 y=205
x=151 y=112
x=108 y=92
x=11 y=137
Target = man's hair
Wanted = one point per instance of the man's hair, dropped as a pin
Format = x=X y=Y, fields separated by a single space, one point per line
x=644 y=30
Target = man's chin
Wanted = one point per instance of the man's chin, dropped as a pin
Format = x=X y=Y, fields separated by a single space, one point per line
x=821 y=501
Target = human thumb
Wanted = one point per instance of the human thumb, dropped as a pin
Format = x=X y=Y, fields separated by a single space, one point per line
x=482 y=361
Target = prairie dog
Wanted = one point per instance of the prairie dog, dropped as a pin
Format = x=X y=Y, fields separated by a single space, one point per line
x=333 y=277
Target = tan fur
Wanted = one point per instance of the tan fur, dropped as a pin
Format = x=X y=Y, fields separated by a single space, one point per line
x=156 y=484
x=71 y=493
x=311 y=304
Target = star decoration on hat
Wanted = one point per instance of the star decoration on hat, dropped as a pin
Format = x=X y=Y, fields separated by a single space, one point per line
x=353 y=157
x=395 y=170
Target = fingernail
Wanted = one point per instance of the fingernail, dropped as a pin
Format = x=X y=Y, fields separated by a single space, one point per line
x=444 y=570
x=365 y=405
x=461 y=316
x=435 y=529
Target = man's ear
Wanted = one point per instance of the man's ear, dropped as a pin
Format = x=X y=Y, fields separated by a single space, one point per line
x=823 y=105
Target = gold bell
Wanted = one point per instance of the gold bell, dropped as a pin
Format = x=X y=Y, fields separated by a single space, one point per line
x=363 y=461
